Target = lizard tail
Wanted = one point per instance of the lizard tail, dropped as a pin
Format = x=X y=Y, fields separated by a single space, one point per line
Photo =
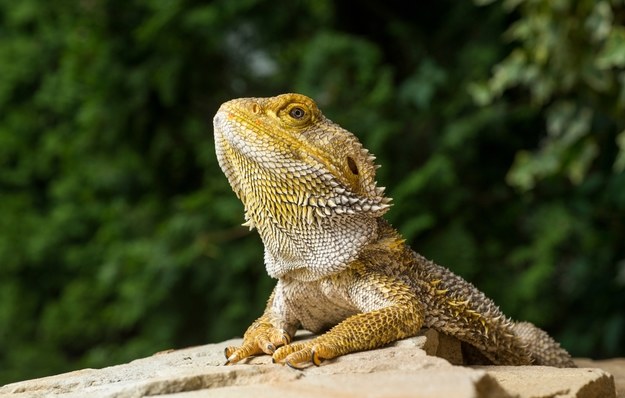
x=544 y=350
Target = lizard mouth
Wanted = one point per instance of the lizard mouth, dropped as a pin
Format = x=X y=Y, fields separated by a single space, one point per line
x=226 y=132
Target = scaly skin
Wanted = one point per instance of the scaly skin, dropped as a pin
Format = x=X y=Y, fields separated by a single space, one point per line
x=308 y=187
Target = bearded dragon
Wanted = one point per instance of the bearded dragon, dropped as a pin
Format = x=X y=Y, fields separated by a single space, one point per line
x=308 y=186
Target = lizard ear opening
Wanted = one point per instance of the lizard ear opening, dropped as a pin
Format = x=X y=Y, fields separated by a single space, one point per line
x=353 y=167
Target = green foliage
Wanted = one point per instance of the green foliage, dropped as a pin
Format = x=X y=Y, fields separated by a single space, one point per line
x=567 y=62
x=500 y=129
x=569 y=56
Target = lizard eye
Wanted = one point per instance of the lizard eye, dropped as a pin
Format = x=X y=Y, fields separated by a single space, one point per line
x=297 y=113
x=353 y=167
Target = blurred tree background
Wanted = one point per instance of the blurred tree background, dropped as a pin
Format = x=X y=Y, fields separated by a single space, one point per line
x=500 y=126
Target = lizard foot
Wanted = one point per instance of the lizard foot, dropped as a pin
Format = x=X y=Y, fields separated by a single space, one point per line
x=263 y=339
x=299 y=355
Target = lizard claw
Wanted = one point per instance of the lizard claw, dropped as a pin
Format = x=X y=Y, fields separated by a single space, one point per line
x=293 y=366
x=314 y=358
x=228 y=353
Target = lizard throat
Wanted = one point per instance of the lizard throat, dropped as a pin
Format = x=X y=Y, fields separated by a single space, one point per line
x=304 y=240
x=310 y=252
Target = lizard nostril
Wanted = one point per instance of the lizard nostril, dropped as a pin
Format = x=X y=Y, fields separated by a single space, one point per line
x=255 y=109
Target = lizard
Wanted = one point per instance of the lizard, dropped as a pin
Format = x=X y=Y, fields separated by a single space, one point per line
x=308 y=187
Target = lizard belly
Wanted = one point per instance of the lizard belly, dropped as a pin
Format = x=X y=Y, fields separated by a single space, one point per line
x=316 y=306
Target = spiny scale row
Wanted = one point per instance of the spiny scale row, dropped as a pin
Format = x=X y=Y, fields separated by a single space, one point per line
x=346 y=201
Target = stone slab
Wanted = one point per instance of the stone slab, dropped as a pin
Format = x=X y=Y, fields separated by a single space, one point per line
x=403 y=369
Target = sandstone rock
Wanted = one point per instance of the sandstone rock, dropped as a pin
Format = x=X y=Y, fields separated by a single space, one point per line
x=616 y=367
x=399 y=370
x=542 y=381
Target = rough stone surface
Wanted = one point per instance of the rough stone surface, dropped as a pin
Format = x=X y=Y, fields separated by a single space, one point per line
x=548 y=382
x=403 y=369
x=616 y=367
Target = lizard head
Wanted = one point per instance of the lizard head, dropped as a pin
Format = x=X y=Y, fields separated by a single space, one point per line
x=286 y=147
x=296 y=171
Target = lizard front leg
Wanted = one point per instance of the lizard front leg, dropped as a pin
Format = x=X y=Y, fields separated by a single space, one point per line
x=391 y=312
x=263 y=336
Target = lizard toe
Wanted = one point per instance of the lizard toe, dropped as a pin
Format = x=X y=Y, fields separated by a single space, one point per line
x=298 y=356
